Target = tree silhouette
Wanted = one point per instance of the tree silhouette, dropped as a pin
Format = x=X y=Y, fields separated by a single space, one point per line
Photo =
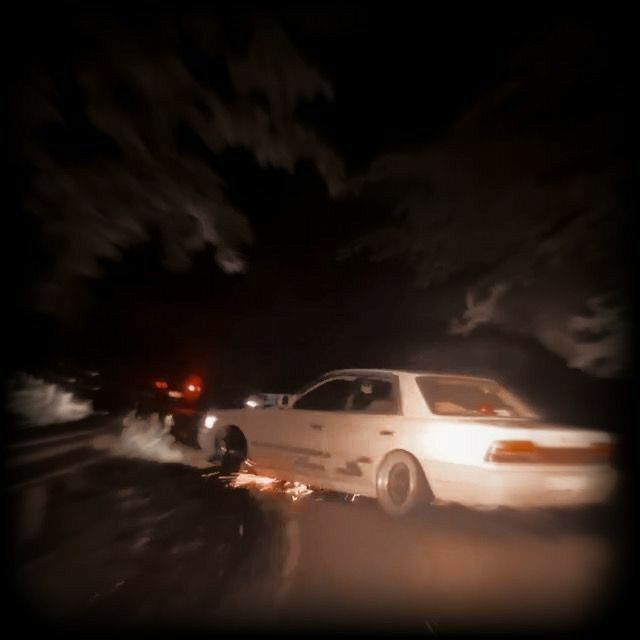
x=127 y=135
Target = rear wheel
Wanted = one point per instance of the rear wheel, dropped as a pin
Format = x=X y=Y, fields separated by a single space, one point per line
x=400 y=484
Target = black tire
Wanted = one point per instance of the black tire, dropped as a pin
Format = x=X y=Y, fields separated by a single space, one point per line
x=401 y=485
x=230 y=450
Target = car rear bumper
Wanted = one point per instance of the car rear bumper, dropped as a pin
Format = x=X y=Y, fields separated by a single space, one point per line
x=520 y=486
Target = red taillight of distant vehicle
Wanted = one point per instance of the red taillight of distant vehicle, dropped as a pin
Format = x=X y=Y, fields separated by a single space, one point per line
x=192 y=387
x=161 y=384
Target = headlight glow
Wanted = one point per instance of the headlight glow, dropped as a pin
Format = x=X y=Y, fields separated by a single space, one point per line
x=209 y=421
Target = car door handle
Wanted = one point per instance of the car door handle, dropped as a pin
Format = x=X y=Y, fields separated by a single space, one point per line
x=317 y=427
x=387 y=433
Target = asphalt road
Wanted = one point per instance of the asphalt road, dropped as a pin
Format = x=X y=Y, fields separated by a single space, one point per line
x=127 y=543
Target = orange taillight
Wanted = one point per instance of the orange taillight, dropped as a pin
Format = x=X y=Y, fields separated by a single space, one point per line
x=526 y=451
x=603 y=449
x=511 y=451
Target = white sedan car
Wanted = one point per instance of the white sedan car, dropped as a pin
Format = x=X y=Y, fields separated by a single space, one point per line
x=409 y=438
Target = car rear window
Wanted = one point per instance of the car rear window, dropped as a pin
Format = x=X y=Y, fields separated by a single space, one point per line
x=464 y=397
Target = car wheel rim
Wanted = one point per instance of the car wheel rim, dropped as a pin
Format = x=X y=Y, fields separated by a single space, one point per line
x=399 y=483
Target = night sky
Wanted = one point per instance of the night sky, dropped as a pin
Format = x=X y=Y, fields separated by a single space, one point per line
x=428 y=161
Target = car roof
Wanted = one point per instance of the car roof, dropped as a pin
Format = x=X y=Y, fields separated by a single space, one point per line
x=405 y=373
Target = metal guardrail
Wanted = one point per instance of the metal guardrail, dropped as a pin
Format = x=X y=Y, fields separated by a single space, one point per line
x=34 y=455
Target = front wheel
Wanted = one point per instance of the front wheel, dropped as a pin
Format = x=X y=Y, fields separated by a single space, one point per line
x=230 y=450
x=400 y=484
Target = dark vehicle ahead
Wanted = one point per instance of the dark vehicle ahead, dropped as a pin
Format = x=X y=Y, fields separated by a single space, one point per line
x=185 y=399
x=177 y=396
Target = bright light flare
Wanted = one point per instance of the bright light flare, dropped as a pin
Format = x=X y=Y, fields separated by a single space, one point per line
x=249 y=479
x=294 y=490
x=251 y=403
x=297 y=490
x=192 y=387
x=210 y=421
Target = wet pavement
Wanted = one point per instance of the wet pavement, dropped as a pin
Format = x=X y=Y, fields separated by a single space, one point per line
x=136 y=544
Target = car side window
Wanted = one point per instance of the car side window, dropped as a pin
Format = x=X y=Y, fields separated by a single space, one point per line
x=329 y=396
x=372 y=395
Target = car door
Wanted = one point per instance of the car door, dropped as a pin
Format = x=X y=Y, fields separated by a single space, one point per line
x=266 y=429
x=365 y=431
x=304 y=433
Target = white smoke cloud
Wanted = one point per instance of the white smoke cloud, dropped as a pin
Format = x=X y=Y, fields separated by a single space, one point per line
x=150 y=439
x=38 y=403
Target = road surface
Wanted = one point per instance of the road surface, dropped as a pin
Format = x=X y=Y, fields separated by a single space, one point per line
x=126 y=543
